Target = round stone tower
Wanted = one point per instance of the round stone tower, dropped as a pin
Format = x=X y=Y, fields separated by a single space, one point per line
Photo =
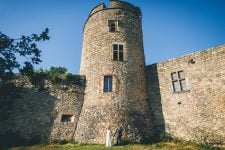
x=114 y=65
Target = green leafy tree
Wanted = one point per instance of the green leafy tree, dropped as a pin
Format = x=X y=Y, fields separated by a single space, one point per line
x=25 y=48
x=57 y=73
x=54 y=74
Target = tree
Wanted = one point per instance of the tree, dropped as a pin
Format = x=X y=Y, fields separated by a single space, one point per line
x=57 y=73
x=25 y=47
x=54 y=74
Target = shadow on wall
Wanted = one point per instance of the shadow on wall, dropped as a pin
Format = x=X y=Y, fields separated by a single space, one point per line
x=26 y=116
x=155 y=104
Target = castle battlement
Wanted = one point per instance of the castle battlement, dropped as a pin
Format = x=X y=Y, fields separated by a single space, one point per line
x=184 y=97
x=117 y=4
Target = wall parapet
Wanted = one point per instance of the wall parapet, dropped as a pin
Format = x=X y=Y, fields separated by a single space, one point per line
x=125 y=5
x=97 y=8
x=115 y=4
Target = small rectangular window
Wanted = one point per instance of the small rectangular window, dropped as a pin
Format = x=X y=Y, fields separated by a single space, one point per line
x=65 y=118
x=107 y=84
x=113 y=25
x=118 y=52
x=178 y=81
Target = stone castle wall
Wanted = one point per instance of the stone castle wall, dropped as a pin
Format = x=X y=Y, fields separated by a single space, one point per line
x=126 y=105
x=197 y=113
x=36 y=112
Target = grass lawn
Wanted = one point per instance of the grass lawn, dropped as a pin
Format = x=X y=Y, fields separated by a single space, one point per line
x=158 y=146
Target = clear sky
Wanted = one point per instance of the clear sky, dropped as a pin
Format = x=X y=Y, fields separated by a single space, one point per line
x=171 y=28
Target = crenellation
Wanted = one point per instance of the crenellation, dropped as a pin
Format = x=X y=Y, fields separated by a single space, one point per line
x=126 y=6
x=97 y=8
x=184 y=96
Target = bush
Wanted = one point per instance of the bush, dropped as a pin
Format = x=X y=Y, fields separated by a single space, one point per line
x=54 y=74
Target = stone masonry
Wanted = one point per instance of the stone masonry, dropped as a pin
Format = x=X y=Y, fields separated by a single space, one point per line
x=36 y=112
x=197 y=113
x=184 y=97
x=126 y=105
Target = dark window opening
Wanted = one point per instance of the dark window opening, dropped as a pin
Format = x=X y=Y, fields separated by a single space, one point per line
x=113 y=25
x=107 y=84
x=115 y=55
x=67 y=118
x=118 y=52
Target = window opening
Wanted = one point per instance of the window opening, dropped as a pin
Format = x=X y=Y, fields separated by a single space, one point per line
x=113 y=25
x=178 y=81
x=118 y=52
x=107 y=84
x=66 y=118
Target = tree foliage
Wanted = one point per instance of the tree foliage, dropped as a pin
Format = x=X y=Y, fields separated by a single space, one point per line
x=57 y=73
x=54 y=74
x=25 y=47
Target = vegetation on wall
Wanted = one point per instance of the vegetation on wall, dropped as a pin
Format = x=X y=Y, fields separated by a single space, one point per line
x=54 y=74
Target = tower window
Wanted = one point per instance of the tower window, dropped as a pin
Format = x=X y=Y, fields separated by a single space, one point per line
x=107 y=84
x=67 y=118
x=118 y=52
x=113 y=25
x=178 y=81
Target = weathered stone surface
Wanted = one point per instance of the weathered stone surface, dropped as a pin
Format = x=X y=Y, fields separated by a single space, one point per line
x=142 y=102
x=37 y=114
x=127 y=105
x=197 y=114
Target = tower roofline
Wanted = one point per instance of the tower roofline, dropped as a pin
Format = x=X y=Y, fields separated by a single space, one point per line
x=125 y=5
x=119 y=5
x=115 y=4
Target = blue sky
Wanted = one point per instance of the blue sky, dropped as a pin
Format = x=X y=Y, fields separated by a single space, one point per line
x=171 y=28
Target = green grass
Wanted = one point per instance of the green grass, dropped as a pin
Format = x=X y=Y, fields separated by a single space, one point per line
x=157 y=146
